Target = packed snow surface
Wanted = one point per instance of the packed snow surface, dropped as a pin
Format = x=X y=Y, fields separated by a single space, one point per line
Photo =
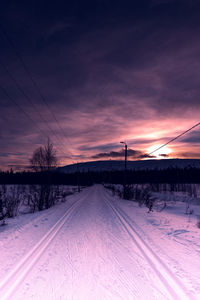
x=95 y=246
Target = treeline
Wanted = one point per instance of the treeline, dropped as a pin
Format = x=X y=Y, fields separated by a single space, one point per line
x=170 y=175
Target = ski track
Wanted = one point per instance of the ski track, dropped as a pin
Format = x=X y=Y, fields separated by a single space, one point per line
x=170 y=282
x=19 y=227
x=93 y=258
x=14 y=278
x=121 y=281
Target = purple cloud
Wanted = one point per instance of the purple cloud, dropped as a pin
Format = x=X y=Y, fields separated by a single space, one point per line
x=106 y=71
x=118 y=154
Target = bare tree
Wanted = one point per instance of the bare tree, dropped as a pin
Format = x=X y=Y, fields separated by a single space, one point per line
x=44 y=160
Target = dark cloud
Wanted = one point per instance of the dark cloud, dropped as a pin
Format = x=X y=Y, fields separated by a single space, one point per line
x=193 y=154
x=118 y=154
x=98 y=147
x=192 y=137
x=164 y=155
x=107 y=69
x=146 y=155
x=112 y=154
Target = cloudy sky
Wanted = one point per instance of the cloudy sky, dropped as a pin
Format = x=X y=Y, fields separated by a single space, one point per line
x=90 y=74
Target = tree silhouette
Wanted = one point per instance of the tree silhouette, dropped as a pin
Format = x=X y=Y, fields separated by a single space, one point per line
x=44 y=158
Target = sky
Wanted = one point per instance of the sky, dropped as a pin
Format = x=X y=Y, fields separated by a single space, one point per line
x=90 y=74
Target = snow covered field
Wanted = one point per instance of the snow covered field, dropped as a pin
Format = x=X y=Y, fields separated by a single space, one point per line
x=96 y=246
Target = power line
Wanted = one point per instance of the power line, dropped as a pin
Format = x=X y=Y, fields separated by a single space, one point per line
x=28 y=99
x=20 y=108
x=24 y=112
x=178 y=136
x=32 y=79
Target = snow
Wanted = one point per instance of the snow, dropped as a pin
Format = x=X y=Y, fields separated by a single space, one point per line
x=96 y=246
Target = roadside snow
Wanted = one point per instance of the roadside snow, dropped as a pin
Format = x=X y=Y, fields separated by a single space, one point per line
x=85 y=249
x=174 y=235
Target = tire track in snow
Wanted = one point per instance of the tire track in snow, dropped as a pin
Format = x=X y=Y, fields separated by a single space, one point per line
x=174 y=287
x=14 y=278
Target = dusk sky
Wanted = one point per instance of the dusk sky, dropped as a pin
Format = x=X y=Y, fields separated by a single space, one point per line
x=106 y=71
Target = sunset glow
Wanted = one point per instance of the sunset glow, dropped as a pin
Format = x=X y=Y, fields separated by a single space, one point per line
x=161 y=153
x=100 y=150
x=97 y=74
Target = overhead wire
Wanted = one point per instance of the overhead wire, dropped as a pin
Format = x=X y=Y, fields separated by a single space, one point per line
x=21 y=109
x=29 y=101
x=69 y=155
x=178 y=136
x=33 y=80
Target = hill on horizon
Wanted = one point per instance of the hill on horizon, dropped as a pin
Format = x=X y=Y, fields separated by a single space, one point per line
x=118 y=165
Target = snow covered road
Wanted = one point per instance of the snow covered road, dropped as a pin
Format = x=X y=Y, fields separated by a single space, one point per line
x=88 y=248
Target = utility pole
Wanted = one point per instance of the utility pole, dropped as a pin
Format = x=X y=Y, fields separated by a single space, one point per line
x=125 y=155
x=78 y=182
x=125 y=168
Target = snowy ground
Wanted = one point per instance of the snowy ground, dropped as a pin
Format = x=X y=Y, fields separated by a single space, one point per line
x=95 y=246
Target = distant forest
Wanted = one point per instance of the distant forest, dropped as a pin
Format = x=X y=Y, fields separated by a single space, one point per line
x=170 y=175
